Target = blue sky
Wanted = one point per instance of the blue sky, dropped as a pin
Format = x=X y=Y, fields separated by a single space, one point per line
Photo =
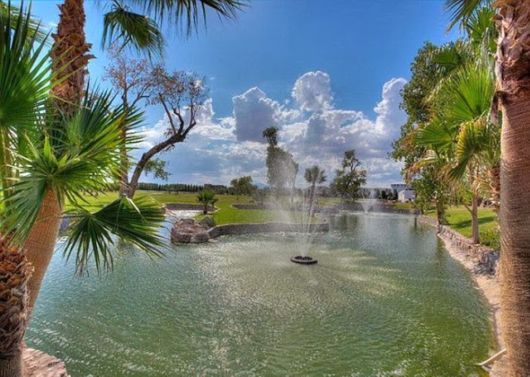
x=352 y=50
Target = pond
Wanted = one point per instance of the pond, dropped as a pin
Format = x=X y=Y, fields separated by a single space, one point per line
x=385 y=299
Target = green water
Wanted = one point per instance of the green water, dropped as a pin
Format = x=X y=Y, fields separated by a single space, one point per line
x=384 y=300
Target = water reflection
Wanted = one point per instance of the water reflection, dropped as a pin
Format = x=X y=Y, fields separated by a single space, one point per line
x=384 y=300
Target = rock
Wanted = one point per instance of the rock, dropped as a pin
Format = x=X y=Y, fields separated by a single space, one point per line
x=208 y=222
x=189 y=231
x=200 y=237
x=39 y=364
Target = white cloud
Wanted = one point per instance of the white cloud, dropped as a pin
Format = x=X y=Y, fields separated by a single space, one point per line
x=312 y=91
x=219 y=149
x=254 y=112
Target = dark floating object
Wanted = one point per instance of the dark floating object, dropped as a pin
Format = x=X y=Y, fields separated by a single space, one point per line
x=303 y=260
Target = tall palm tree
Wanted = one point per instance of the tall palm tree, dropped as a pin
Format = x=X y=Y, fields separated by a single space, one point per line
x=14 y=274
x=314 y=176
x=51 y=160
x=128 y=21
x=513 y=98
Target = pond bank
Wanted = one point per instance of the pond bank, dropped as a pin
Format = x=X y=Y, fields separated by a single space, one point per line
x=481 y=262
x=40 y=364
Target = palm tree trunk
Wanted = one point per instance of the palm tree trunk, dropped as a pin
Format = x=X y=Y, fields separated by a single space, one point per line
x=474 y=219
x=12 y=366
x=440 y=212
x=41 y=241
x=513 y=75
x=515 y=234
x=70 y=56
x=494 y=174
x=14 y=274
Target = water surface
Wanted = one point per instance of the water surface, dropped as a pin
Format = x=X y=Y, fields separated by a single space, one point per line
x=384 y=300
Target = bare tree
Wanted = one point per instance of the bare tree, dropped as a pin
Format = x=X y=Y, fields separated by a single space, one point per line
x=132 y=78
x=181 y=95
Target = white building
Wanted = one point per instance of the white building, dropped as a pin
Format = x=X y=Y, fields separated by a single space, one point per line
x=406 y=195
x=404 y=192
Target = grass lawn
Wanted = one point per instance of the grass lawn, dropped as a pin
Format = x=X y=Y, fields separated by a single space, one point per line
x=399 y=205
x=226 y=214
x=459 y=219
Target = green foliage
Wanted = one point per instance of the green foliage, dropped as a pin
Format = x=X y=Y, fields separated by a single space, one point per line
x=158 y=168
x=206 y=198
x=350 y=178
x=71 y=157
x=142 y=30
x=282 y=169
x=315 y=175
x=462 y=10
x=188 y=11
x=92 y=236
x=459 y=219
x=24 y=72
x=242 y=186
x=131 y=28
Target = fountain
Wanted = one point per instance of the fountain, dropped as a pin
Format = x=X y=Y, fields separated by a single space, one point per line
x=369 y=199
x=298 y=207
x=303 y=260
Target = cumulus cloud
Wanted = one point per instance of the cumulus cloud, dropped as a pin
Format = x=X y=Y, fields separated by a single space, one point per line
x=312 y=91
x=253 y=112
x=311 y=128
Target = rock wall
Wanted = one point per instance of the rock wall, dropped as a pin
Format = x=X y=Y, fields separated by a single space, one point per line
x=186 y=207
x=221 y=230
x=484 y=258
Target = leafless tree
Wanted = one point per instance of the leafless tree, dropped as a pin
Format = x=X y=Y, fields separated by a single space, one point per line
x=181 y=95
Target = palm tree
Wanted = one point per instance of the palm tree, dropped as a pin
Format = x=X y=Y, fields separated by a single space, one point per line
x=461 y=130
x=53 y=160
x=14 y=274
x=513 y=98
x=206 y=198
x=313 y=175
x=70 y=51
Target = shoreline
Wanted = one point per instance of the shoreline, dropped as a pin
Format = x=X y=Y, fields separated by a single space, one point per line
x=487 y=284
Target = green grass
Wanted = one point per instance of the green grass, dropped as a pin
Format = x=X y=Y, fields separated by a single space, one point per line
x=399 y=205
x=459 y=219
x=226 y=213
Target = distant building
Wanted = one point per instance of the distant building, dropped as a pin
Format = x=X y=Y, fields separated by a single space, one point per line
x=403 y=192
x=398 y=187
x=406 y=195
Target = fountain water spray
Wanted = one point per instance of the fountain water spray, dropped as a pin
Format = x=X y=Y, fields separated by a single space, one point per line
x=369 y=199
x=298 y=208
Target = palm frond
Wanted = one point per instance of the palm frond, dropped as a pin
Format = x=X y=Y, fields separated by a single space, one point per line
x=25 y=71
x=467 y=94
x=461 y=10
x=189 y=12
x=93 y=235
x=75 y=160
x=436 y=135
x=8 y=13
x=477 y=141
x=481 y=29
x=130 y=28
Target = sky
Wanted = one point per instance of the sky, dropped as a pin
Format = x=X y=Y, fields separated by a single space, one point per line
x=327 y=73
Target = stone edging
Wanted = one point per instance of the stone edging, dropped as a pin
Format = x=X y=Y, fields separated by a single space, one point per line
x=227 y=229
x=481 y=261
x=40 y=364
